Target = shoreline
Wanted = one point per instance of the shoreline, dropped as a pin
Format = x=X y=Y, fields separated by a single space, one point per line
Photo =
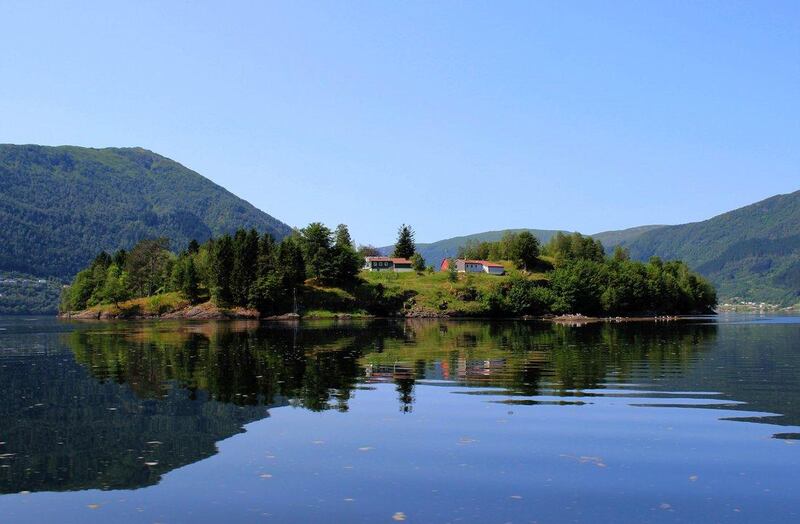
x=208 y=311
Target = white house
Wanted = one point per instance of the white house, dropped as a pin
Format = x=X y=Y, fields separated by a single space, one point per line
x=398 y=265
x=474 y=266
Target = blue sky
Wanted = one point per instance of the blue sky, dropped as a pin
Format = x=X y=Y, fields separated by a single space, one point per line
x=455 y=117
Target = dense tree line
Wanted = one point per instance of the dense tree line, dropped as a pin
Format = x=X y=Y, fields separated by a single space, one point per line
x=244 y=269
x=608 y=287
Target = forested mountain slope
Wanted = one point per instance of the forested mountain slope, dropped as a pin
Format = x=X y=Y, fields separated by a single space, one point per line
x=59 y=206
x=751 y=253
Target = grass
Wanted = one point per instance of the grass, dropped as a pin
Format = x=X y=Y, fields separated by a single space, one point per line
x=154 y=305
x=434 y=292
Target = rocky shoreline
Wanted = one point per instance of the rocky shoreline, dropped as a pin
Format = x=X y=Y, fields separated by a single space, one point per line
x=209 y=311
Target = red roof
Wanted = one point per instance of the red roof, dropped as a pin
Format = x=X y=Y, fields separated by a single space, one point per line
x=388 y=259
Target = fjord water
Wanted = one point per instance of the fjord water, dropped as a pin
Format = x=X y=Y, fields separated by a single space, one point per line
x=382 y=421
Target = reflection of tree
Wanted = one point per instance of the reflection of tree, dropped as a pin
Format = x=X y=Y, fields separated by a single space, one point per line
x=520 y=356
x=68 y=431
x=166 y=393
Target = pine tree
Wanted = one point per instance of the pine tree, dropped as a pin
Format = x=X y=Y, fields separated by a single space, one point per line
x=342 y=236
x=221 y=266
x=404 y=247
x=190 y=285
x=266 y=256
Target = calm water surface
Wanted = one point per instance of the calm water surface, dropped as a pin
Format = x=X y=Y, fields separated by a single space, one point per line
x=425 y=421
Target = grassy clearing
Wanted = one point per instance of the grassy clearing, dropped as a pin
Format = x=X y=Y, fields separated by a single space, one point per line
x=435 y=293
x=154 y=305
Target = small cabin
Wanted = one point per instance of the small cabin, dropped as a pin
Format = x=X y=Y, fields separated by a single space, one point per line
x=398 y=265
x=474 y=266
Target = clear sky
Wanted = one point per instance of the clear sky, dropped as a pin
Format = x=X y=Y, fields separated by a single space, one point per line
x=455 y=117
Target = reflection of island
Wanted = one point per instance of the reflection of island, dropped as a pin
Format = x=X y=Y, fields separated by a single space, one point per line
x=130 y=402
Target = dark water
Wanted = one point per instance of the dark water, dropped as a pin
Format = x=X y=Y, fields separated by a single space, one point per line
x=696 y=421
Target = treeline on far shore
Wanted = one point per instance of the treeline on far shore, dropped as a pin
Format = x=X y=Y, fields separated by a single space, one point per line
x=570 y=274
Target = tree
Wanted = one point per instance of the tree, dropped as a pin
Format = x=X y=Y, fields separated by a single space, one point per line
x=115 y=287
x=266 y=256
x=190 y=285
x=452 y=270
x=418 y=263
x=245 y=265
x=621 y=254
x=221 y=265
x=147 y=265
x=290 y=266
x=524 y=250
x=404 y=247
x=193 y=248
x=315 y=241
x=346 y=262
x=342 y=236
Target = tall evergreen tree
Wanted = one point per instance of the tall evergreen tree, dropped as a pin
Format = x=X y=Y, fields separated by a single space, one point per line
x=266 y=256
x=342 y=236
x=291 y=266
x=191 y=282
x=346 y=261
x=221 y=266
x=404 y=247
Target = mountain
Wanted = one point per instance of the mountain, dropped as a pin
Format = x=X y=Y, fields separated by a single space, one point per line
x=751 y=253
x=60 y=206
x=611 y=239
x=435 y=252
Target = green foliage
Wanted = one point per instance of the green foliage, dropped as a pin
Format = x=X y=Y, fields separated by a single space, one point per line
x=751 y=253
x=148 y=265
x=417 y=263
x=24 y=294
x=315 y=241
x=452 y=271
x=567 y=248
x=404 y=247
x=520 y=247
x=61 y=205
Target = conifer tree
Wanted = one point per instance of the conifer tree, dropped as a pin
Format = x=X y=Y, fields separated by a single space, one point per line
x=404 y=247
x=221 y=267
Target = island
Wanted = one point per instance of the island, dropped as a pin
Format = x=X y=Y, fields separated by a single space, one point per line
x=317 y=272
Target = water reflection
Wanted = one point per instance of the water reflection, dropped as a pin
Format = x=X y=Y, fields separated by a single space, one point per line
x=113 y=406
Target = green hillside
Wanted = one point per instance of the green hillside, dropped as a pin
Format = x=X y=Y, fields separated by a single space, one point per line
x=59 y=206
x=751 y=253
x=611 y=239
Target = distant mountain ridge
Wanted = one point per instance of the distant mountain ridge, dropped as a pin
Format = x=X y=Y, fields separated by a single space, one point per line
x=60 y=206
x=751 y=253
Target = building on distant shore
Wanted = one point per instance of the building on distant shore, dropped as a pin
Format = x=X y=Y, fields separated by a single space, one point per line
x=398 y=265
x=474 y=266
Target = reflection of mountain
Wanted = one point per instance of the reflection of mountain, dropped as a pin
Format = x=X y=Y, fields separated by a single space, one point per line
x=67 y=431
x=164 y=393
